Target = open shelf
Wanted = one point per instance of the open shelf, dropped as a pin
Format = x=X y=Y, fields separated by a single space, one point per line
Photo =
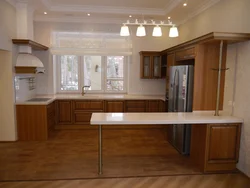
x=34 y=45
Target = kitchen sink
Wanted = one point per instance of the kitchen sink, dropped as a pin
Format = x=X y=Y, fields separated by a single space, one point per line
x=39 y=100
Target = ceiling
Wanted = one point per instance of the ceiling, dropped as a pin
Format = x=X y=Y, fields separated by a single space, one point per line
x=117 y=11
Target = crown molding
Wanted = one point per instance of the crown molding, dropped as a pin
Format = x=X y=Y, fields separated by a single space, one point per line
x=78 y=20
x=103 y=9
x=199 y=10
x=12 y=2
x=171 y=5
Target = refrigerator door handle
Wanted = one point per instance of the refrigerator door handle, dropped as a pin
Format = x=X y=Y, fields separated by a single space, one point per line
x=175 y=92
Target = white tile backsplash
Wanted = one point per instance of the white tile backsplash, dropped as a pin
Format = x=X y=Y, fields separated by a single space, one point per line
x=23 y=90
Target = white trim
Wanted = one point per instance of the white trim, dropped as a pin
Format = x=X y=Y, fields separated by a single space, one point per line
x=199 y=10
x=12 y=2
x=103 y=9
x=41 y=18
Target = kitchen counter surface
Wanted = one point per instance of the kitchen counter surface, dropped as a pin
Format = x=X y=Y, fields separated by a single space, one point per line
x=90 y=97
x=161 y=118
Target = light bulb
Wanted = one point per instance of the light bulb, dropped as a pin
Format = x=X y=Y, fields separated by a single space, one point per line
x=141 y=32
x=173 y=32
x=157 y=31
x=124 y=31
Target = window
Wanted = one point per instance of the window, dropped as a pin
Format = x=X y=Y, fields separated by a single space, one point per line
x=99 y=74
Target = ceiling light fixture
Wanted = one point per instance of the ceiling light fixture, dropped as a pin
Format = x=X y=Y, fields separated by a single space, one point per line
x=88 y=14
x=124 y=31
x=45 y=13
x=185 y=4
x=173 y=32
x=169 y=17
x=130 y=16
x=141 y=31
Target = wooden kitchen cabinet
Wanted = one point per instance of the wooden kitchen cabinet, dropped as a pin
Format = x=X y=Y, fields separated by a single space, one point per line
x=135 y=106
x=184 y=54
x=154 y=106
x=170 y=62
x=215 y=147
x=83 y=109
x=114 y=106
x=64 y=112
x=150 y=63
x=35 y=122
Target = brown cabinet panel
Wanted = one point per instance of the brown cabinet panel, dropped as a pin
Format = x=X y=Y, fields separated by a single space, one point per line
x=170 y=62
x=114 y=106
x=154 y=106
x=136 y=104
x=64 y=112
x=82 y=118
x=223 y=143
x=136 y=109
x=150 y=63
x=92 y=105
x=185 y=54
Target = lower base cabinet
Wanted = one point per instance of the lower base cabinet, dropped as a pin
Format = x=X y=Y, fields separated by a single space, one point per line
x=34 y=122
x=215 y=147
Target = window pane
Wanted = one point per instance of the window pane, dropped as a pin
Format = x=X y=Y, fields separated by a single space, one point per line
x=114 y=85
x=92 y=72
x=69 y=72
x=115 y=66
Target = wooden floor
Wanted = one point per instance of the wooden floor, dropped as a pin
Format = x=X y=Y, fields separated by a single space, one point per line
x=72 y=154
x=188 y=181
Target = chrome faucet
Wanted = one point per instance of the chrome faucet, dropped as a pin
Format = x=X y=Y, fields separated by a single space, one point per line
x=83 y=87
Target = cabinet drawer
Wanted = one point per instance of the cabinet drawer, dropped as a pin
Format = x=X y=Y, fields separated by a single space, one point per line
x=51 y=109
x=82 y=118
x=136 y=110
x=185 y=54
x=114 y=106
x=93 y=106
x=136 y=104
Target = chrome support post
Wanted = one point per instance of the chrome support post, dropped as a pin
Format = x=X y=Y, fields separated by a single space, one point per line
x=219 y=78
x=100 y=150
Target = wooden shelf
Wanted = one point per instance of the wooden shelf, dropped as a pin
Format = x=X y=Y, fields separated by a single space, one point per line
x=34 y=45
x=211 y=37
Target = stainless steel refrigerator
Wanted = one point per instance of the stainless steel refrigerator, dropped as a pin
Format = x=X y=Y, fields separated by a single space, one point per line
x=180 y=99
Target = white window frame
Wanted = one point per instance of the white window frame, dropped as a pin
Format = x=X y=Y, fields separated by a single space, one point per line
x=103 y=76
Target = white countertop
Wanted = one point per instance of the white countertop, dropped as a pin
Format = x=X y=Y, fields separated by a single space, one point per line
x=161 y=118
x=91 y=97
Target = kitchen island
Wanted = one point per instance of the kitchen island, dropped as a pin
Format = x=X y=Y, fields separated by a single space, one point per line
x=215 y=140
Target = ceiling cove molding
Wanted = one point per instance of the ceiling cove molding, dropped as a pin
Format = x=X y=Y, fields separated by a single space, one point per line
x=12 y=2
x=171 y=5
x=78 y=20
x=103 y=9
x=199 y=10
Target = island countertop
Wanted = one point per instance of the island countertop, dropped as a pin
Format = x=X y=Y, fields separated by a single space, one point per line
x=161 y=118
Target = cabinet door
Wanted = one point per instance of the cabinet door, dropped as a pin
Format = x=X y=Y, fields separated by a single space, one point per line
x=154 y=106
x=82 y=117
x=156 y=61
x=146 y=67
x=64 y=112
x=185 y=54
x=114 y=106
x=136 y=106
x=223 y=143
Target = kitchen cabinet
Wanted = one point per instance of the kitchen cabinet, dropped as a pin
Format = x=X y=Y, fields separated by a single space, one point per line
x=114 y=106
x=184 y=54
x=170 y=62
x=154 y=106
x=35 y=122
x=64 y=112
x=221 y=151
x=150 y=63
x=135 y=106
x=83 y=109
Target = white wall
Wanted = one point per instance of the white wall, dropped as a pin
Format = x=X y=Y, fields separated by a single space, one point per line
x=230 y=16
x=7 y=99
x=135 y=84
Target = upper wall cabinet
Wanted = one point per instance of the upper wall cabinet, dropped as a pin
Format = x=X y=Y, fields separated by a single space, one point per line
x=150 y=65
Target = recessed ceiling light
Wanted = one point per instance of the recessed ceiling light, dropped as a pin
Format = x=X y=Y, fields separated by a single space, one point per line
x=45 y=13
x=169 y=17
x=130 y=16
x=88 y=14
x=185 y=4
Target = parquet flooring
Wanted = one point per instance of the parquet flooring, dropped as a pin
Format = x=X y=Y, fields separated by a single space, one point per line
x=73 y=154
x=188 y=181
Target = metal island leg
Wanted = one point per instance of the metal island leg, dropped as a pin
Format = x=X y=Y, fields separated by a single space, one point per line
x=100 y=149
